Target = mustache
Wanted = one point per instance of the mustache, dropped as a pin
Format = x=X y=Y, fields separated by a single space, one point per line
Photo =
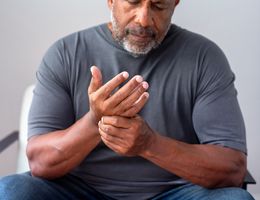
x=142 y=31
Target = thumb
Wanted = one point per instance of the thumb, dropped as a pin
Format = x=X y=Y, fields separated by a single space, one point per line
x=96 y=80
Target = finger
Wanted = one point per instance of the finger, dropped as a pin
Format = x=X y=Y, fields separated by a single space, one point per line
x=116 y=121
x=109 y=138
x=106 y=90
x=114 y=147
x=96 y=80
x=138 y=105
x=130 y=101
x=125 y=91
x=110 y=130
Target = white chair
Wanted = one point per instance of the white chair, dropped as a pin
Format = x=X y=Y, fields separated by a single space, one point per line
x=21 y=135
x=22 y=164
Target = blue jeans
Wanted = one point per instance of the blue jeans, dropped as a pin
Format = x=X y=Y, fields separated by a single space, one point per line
x=26 y=187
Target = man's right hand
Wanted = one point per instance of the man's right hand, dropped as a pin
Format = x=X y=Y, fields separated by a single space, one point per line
x=126 y=101
x=54 y=154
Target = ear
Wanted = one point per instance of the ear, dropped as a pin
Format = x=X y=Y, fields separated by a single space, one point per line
x=110 y=3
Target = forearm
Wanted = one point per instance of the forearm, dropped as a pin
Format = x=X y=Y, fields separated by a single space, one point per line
x=55 y=154
x=206 y=165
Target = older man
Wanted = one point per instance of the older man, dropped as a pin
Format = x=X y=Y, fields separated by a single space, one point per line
x=173 y=131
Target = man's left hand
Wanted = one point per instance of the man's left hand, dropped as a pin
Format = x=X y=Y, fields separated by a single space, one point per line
x=126 y=136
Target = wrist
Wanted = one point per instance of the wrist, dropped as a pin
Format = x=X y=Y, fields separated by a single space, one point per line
x=151 y=142
x=92 y=118
x=91 y=123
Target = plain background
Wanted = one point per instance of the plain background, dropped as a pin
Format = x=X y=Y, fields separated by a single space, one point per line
x=29 y=27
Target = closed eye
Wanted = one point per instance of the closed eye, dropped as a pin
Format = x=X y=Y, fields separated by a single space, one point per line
x=160 y=6
x=133 y=2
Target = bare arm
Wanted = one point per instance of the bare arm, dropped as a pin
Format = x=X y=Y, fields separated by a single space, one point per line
x=54 y=154
x=210 y=166
x=206 y=165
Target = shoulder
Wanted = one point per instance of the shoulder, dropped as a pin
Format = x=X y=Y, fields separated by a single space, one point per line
x=77 y=38
x=194 y=51
x=191 y=40
x=192 y=48
x=206 y=51
x=73 y=46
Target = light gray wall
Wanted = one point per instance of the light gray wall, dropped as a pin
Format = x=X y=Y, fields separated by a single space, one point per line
x=29 y=27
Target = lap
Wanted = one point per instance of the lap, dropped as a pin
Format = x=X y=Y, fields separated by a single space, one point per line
x=26 y=187
x=195 y=192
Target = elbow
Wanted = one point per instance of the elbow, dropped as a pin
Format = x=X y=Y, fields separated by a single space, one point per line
x=37 y=168
x=41 y=165
x=235 y=180
x=238 y=172
x=239 y=176
x=42 y=171
x=232 y=176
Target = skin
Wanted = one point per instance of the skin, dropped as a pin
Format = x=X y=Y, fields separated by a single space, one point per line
x=54 y=154
x=113 y=118
x=134 y=137
x=143 y=17
x=210 y=166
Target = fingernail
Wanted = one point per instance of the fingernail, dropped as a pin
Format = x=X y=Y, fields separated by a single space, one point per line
x=91 y=69
x=125 y=75
x=146 y=95
x=145 y=85
x=139 y=79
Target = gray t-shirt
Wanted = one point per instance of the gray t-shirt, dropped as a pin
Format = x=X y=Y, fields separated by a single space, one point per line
x=192 y=99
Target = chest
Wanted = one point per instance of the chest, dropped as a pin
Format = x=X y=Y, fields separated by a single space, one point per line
x=171 y=94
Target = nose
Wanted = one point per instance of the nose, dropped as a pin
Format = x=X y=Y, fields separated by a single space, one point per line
x=144 y=17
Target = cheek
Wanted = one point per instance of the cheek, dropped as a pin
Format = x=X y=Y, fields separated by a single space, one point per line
x=162 y=24
x=123 y=16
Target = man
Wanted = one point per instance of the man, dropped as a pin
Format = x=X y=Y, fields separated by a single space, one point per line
x=180 y=137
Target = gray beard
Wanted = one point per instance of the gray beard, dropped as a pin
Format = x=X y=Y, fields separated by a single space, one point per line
x=133 y=49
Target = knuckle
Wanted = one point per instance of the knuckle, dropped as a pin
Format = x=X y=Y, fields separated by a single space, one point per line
x=115 y=121
x=120 y=78
x=94 y=98
x=106 y=90
x=134 y=110
x=140 y=90
x=105 y=108
x=107 y=137
x=136 y=126
x=133 y=84
x=107 y=129
x=129 y=113
x=121 y=108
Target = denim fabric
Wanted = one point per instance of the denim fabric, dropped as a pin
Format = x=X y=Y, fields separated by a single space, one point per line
x=26 y=187
x=195 y=192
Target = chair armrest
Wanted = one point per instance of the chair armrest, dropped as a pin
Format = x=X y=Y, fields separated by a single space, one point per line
x=8 y=140
x=248 y=180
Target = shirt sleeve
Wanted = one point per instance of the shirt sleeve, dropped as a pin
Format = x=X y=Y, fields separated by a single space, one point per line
x=52 y=107
x=217 y=116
